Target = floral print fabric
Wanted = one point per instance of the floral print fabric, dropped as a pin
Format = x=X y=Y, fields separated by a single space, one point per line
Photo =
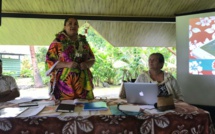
x=185 y=119
x=70 y=83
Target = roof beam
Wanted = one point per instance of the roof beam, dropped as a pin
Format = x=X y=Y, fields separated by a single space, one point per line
x=0 y=11
x=82 y=17
x=196 y=12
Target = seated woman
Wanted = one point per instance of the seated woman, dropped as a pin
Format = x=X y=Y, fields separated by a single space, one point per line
x=166 y=82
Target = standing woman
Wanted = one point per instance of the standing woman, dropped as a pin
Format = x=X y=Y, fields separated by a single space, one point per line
x=68 y=61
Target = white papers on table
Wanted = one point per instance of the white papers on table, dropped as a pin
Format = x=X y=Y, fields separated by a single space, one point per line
x=147 y=106
x=69 y=114
x=31 y=111
x=75 y=101
x=21 y=100
x=150 y=109
x=46 y=103
x=95 y=113
x=67 y=102
x=49 y=111
x=11 y=111
x=130 y=108
x=84 y=113
x=24 y=99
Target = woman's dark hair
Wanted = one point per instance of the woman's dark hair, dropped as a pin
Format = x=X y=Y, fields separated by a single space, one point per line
x=0 y=60
x=65 y=21
x=160 y=57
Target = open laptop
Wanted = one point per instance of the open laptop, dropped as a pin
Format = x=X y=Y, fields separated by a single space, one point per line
x=141 y=93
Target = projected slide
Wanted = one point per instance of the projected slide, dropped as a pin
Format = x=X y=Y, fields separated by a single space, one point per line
x=202 y=46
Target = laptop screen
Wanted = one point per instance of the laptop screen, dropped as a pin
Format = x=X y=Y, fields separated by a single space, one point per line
x=141 y=93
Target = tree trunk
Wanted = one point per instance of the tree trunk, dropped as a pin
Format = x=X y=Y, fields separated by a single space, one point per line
x=37 y=77
x=170 y=50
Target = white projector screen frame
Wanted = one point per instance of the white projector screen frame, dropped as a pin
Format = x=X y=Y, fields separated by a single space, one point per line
x=197 y=89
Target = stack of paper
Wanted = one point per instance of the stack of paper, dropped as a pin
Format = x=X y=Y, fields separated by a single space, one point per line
x=150 y=109
x=75 y=101
x=12 y=111
x=31 y=111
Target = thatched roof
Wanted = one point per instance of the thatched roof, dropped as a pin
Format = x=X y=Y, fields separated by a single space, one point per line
x=120 y=22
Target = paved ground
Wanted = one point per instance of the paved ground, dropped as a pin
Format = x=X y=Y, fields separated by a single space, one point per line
x=27 y=90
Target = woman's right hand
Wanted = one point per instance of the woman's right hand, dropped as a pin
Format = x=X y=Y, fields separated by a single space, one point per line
x=52 y=97
x=71 y=64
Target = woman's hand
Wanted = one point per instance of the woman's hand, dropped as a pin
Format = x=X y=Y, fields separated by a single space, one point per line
x=52 y=97
x=7 y=92
x=83 y=66
x=73 y=64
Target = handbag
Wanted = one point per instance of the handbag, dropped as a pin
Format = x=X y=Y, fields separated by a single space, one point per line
x=165 y=103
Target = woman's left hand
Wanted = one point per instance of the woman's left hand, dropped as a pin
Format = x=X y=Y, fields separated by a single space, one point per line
x=83 y=66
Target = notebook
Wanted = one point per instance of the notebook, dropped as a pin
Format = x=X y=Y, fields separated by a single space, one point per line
x=141 y=93
x=65 y=107
x=98 y=105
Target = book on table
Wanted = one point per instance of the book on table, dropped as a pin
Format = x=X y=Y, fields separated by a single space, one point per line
x=97 y=105
x=65 y=107
x=28 y=104
x=37 y=103
x=69 y=105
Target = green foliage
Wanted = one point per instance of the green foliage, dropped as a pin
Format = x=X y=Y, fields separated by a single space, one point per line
x=131 y=60
x=41 y=54
x=26 y=68
x=135 y=59
x=42 y=71
x=10 y=73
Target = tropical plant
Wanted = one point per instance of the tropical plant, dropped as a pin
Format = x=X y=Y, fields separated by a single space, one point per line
x=26 y=68
x=113 y=64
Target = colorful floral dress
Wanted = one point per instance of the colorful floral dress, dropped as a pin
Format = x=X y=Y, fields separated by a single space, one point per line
x=70 y=83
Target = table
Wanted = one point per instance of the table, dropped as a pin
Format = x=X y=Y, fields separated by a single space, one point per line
x=186 y=119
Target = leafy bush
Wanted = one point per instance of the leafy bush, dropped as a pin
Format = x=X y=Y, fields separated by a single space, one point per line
x=26 y=69
x=42 y=70
x=10 y=73
x=26 y=72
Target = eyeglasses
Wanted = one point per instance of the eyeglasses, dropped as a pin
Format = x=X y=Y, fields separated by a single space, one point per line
x=105 y=99
x=101 y=98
